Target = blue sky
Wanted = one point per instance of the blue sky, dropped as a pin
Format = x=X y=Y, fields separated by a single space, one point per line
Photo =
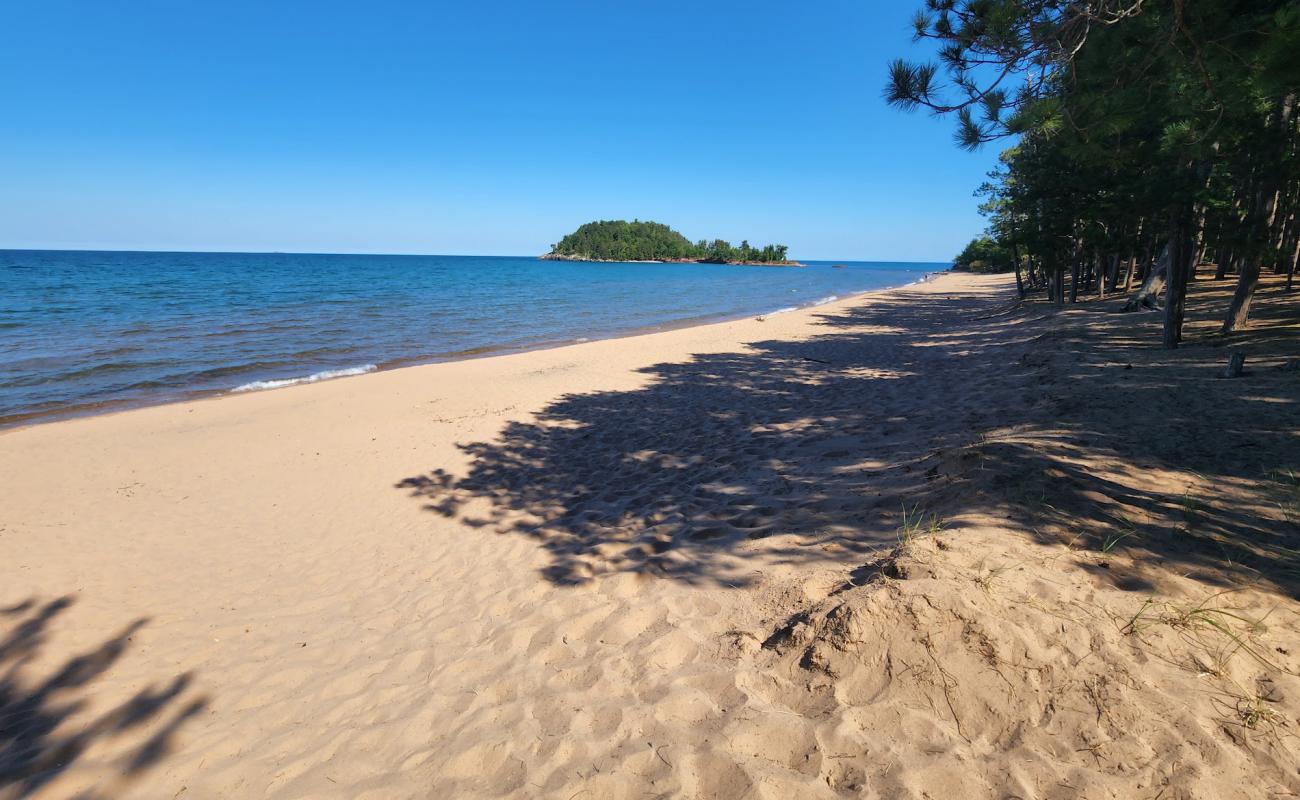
x=473 y=127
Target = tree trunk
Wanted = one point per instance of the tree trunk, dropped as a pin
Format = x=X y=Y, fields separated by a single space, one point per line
x=1290 y=242
x=1239 y=308
x=1015 y=256
x=1262 y=218
x=1151 y=286
x=1292 y=260
x=1198 y=255
x=1135 y=263
x=1182 y=249
x=1055 y=273
x=1074 y=271
x=1221 y=263
x=1281 y=232
x=1148 y=259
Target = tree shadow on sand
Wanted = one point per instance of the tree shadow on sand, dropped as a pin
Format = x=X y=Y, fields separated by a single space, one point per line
x=798 y=451
x=38 y=736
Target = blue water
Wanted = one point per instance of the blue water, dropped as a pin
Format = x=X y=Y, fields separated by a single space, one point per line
x=82 y=331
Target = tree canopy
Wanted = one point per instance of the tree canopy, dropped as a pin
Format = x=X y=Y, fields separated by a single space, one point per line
x=984 y=254
x=1145 y=138
x=620 y=240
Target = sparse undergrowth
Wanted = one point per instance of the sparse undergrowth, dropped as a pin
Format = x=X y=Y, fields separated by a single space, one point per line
x=1215 y=631
x=916 y=523
x=1285 y=489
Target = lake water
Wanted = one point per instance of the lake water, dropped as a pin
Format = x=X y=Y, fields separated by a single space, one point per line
x=85 y=331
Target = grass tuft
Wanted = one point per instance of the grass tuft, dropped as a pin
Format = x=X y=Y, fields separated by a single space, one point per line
x=986 y=579
x=1286 y=493
x=1217 y=631
x=917 y=523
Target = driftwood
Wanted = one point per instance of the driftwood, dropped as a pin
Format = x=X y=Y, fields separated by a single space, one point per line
x=1154 y=283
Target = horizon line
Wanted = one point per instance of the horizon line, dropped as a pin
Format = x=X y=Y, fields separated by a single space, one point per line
x=365 y=253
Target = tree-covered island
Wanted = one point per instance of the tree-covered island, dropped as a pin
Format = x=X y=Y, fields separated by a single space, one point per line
x=620 y=240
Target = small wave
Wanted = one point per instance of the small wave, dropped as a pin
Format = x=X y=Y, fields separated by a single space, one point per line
x=86 y=372
x=782 y=310
x=313 y=378
x=214 y=373
x=830 y=298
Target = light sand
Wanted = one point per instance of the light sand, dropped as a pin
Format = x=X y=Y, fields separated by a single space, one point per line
x=669 y=565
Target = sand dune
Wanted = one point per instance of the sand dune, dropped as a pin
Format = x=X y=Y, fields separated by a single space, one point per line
x=920 y=543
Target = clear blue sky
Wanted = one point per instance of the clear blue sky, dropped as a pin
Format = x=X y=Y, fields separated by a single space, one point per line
x=469 y=127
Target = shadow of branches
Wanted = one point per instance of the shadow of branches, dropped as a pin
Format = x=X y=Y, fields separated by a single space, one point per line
x=39 y=738
x=1068 y=426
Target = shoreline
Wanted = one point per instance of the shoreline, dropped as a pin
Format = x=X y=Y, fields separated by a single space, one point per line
x=26 y=420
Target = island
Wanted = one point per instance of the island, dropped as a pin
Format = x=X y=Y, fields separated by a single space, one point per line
x=620 y=240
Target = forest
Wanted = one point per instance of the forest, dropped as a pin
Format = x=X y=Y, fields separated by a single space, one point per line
x=619 y=240
x=1149 y=143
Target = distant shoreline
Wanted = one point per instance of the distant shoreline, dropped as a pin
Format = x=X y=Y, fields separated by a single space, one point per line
x=587 y=259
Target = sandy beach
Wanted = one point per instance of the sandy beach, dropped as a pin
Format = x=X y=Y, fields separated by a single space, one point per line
x=924 y=542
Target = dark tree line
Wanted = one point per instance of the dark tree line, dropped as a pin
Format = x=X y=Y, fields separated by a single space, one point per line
x=985 y=254
x=1148 y=139
x=721 y=251
x=619 y=240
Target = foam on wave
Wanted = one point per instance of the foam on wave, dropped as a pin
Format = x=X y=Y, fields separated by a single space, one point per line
x=313 y=378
